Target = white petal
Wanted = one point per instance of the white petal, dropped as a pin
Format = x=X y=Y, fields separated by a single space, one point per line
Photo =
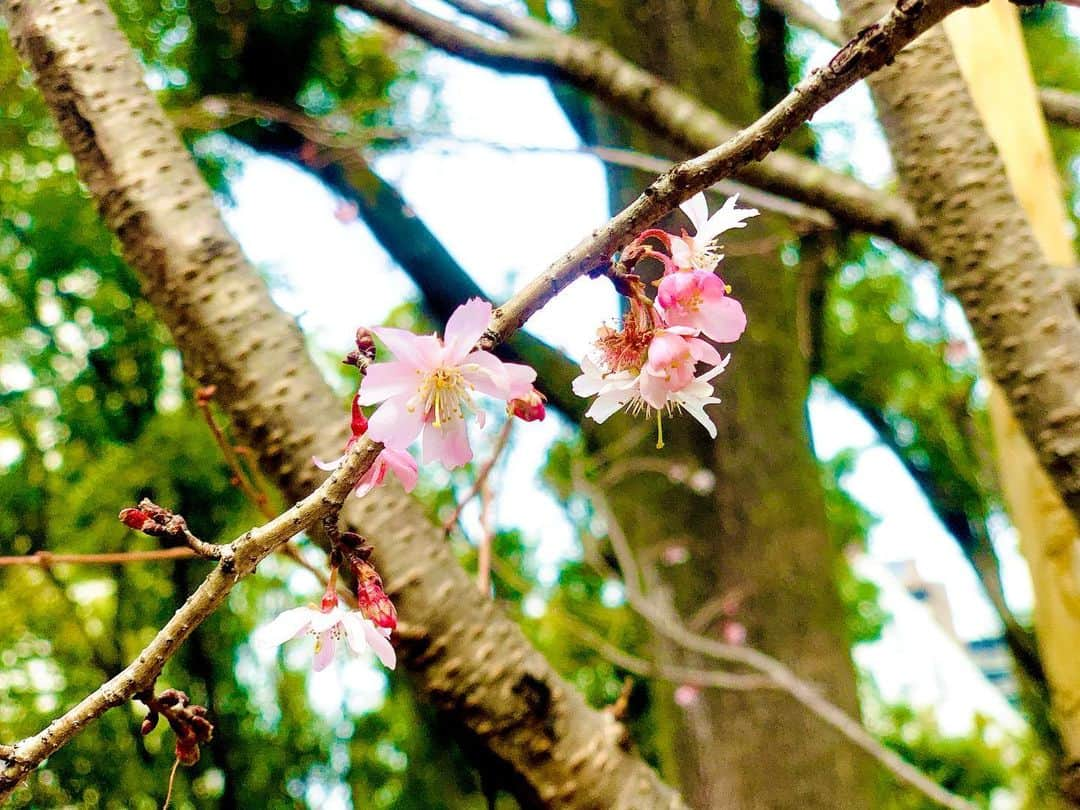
x=329 y=466
x=288 y=625
x=697 y=211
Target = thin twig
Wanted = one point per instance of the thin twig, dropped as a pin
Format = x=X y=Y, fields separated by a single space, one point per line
x=240 y=476
x=481 y=476
x=322 y=131
x=46 y=559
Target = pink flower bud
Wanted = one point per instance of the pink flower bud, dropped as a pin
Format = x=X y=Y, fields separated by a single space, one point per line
x=529 y=408
x=371 y=599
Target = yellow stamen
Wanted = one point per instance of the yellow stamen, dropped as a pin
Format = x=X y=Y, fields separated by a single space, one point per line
x=659 y=431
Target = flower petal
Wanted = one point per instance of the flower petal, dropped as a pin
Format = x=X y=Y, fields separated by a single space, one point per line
x=386 y=380
x=402 y=465
x=394 y=424
x=704 y=352
x=328 y=466
x=380 y=644
x=607 y=404
x=448 y=444
x=286 y=626
x=326 y=620
x=722 y=319
x=697 y=211
x=487 y=373
x=464 y=328
x=418 y=351
x=325 y=646
x=654 y=390
x=725 y=219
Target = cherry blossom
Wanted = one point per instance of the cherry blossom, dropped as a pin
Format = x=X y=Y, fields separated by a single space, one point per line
x=400 y=463
x=697 y=252
x=699 y=299
x=329 y=623
x=427 y=390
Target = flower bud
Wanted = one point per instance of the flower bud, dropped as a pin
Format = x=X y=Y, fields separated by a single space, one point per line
x=372 y=599
x=134 y=518
x=529 y=408
x=149 y=724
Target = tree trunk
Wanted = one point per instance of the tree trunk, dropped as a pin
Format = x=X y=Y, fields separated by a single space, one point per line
x=989 y=257
x=471 y=661
x=761 y=533
x=1048 y=533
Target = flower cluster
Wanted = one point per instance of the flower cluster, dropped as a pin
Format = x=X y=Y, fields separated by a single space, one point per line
x=650 y=363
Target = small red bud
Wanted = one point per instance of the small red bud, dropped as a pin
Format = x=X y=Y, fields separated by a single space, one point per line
x=529 y=408
x=359 y=421
x=149 y=724
x=134 y=518
x=371 y=598
x=365 y=341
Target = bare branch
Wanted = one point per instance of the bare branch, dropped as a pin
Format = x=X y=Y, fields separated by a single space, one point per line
x=1060 y=106
x=804 y=15
x=47 y=559
x=538 y=49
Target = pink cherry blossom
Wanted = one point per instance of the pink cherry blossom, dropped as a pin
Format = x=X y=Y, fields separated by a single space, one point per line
x=427 y=389
x=699 y=299
x=400 y=463
x=329 y=624
x=672 y=359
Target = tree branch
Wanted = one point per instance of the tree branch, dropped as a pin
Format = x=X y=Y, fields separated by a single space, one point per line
x=537 y=49
x=1060 y=106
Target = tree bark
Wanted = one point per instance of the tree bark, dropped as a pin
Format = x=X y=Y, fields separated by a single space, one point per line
x=762 y=531
x=471 y=661
x=1048 y=533
x=1017 y=305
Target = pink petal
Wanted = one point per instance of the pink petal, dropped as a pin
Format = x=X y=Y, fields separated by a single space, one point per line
x=403 y=466
x=418 y=351
x=288 y=625
x=449 y=444
x=386 y=380
x=722 y=319
x=654 y=390
x=487 y=373
x=607 y=404
x=324 y=651
x=522 y=378
x=464 y=328
x=394 y=424
x=380 y=644
x=704 y=352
